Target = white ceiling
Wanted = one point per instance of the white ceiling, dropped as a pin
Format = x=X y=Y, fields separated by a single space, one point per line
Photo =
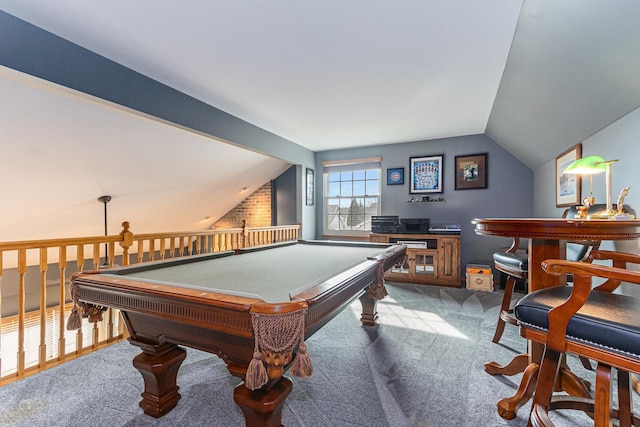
x=325 y=75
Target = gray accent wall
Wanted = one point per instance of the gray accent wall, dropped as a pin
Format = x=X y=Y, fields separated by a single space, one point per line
x=509 y=192
x=284 y=190
x=60 y=61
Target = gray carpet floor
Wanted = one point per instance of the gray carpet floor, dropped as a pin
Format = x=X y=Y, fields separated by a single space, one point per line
x=421 y=366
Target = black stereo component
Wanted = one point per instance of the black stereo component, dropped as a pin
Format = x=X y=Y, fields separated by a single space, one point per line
x=384 y=224
x=414 y=225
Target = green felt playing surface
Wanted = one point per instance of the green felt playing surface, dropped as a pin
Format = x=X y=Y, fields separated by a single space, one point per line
x=269 y=274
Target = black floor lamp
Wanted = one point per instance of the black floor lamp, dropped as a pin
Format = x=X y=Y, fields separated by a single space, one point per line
x=105 y=200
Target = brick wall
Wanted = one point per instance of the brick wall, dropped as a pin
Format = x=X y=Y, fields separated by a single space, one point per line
x=256 y=209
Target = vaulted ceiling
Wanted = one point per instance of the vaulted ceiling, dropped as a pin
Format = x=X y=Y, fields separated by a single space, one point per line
x=324 y=74
x=537 y=76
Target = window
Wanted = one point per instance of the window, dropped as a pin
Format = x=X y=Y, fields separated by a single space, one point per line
x=351 y=196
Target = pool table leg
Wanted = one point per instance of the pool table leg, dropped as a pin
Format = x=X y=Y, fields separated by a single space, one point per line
x=159 y=368
x=373 y=293
x=263 y=408
x=369 y=315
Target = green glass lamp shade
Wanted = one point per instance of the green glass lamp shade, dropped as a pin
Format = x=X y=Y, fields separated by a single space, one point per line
x=587 y=166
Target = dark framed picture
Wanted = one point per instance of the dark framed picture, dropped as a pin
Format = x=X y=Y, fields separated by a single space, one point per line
x=568 y=186
x=309 y=186
x=395 y=176
x=426 y=174
x=471 y=171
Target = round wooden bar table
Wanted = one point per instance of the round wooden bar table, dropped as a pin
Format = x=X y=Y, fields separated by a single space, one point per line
x=547 y=240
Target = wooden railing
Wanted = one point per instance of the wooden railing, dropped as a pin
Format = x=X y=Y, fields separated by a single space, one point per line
x=34 y=291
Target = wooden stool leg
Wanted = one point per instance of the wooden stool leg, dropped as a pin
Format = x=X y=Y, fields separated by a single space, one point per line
x=544 y=387
x=635 y=383
x=499 y=330
x=586 y=364
x=517 y=365
x=624 y=399
x=504 y=308
x=602 y=416
x=508 y=407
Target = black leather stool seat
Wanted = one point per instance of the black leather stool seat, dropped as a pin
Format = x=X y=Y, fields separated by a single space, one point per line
x=607 y=320
x=515 y=261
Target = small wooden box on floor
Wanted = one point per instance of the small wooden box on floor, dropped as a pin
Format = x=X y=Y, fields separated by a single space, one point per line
x=479 y=277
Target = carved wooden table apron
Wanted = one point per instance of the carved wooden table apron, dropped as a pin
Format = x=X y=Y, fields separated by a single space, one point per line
x=547 y=239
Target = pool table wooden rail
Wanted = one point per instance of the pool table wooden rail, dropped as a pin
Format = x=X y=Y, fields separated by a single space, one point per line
x=326 y=299
x=161 y=317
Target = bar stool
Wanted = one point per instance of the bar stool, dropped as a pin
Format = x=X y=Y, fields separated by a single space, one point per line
x=516 y=266
x=593 y=323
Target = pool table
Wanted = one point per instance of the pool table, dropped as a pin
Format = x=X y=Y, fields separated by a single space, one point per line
x=252 y=307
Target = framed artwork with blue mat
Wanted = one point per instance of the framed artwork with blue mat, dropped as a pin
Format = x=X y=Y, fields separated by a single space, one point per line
x=395 y=176
x=426 y=174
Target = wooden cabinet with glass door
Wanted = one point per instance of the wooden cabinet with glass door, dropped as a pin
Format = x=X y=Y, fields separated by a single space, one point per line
x=432 y=259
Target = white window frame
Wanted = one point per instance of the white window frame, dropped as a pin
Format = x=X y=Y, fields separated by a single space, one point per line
x=344 y=166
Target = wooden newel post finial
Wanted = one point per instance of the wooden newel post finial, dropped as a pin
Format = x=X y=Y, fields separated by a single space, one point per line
x=126 y=242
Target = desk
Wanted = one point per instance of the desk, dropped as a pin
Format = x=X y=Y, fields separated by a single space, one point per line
x=547 y=240
x=214 y=303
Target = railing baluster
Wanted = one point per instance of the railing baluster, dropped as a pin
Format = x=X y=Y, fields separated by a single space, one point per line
x=163 y=248
x=79 y=258
x=110 y=325
x=22 y=270
x=207 y=244
x=152 y=249
x=112 y=253
x=140 y=251
x=42 y=354
x=1 y=273
x=94 y=335
x=62 y=346
x=96 y=256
